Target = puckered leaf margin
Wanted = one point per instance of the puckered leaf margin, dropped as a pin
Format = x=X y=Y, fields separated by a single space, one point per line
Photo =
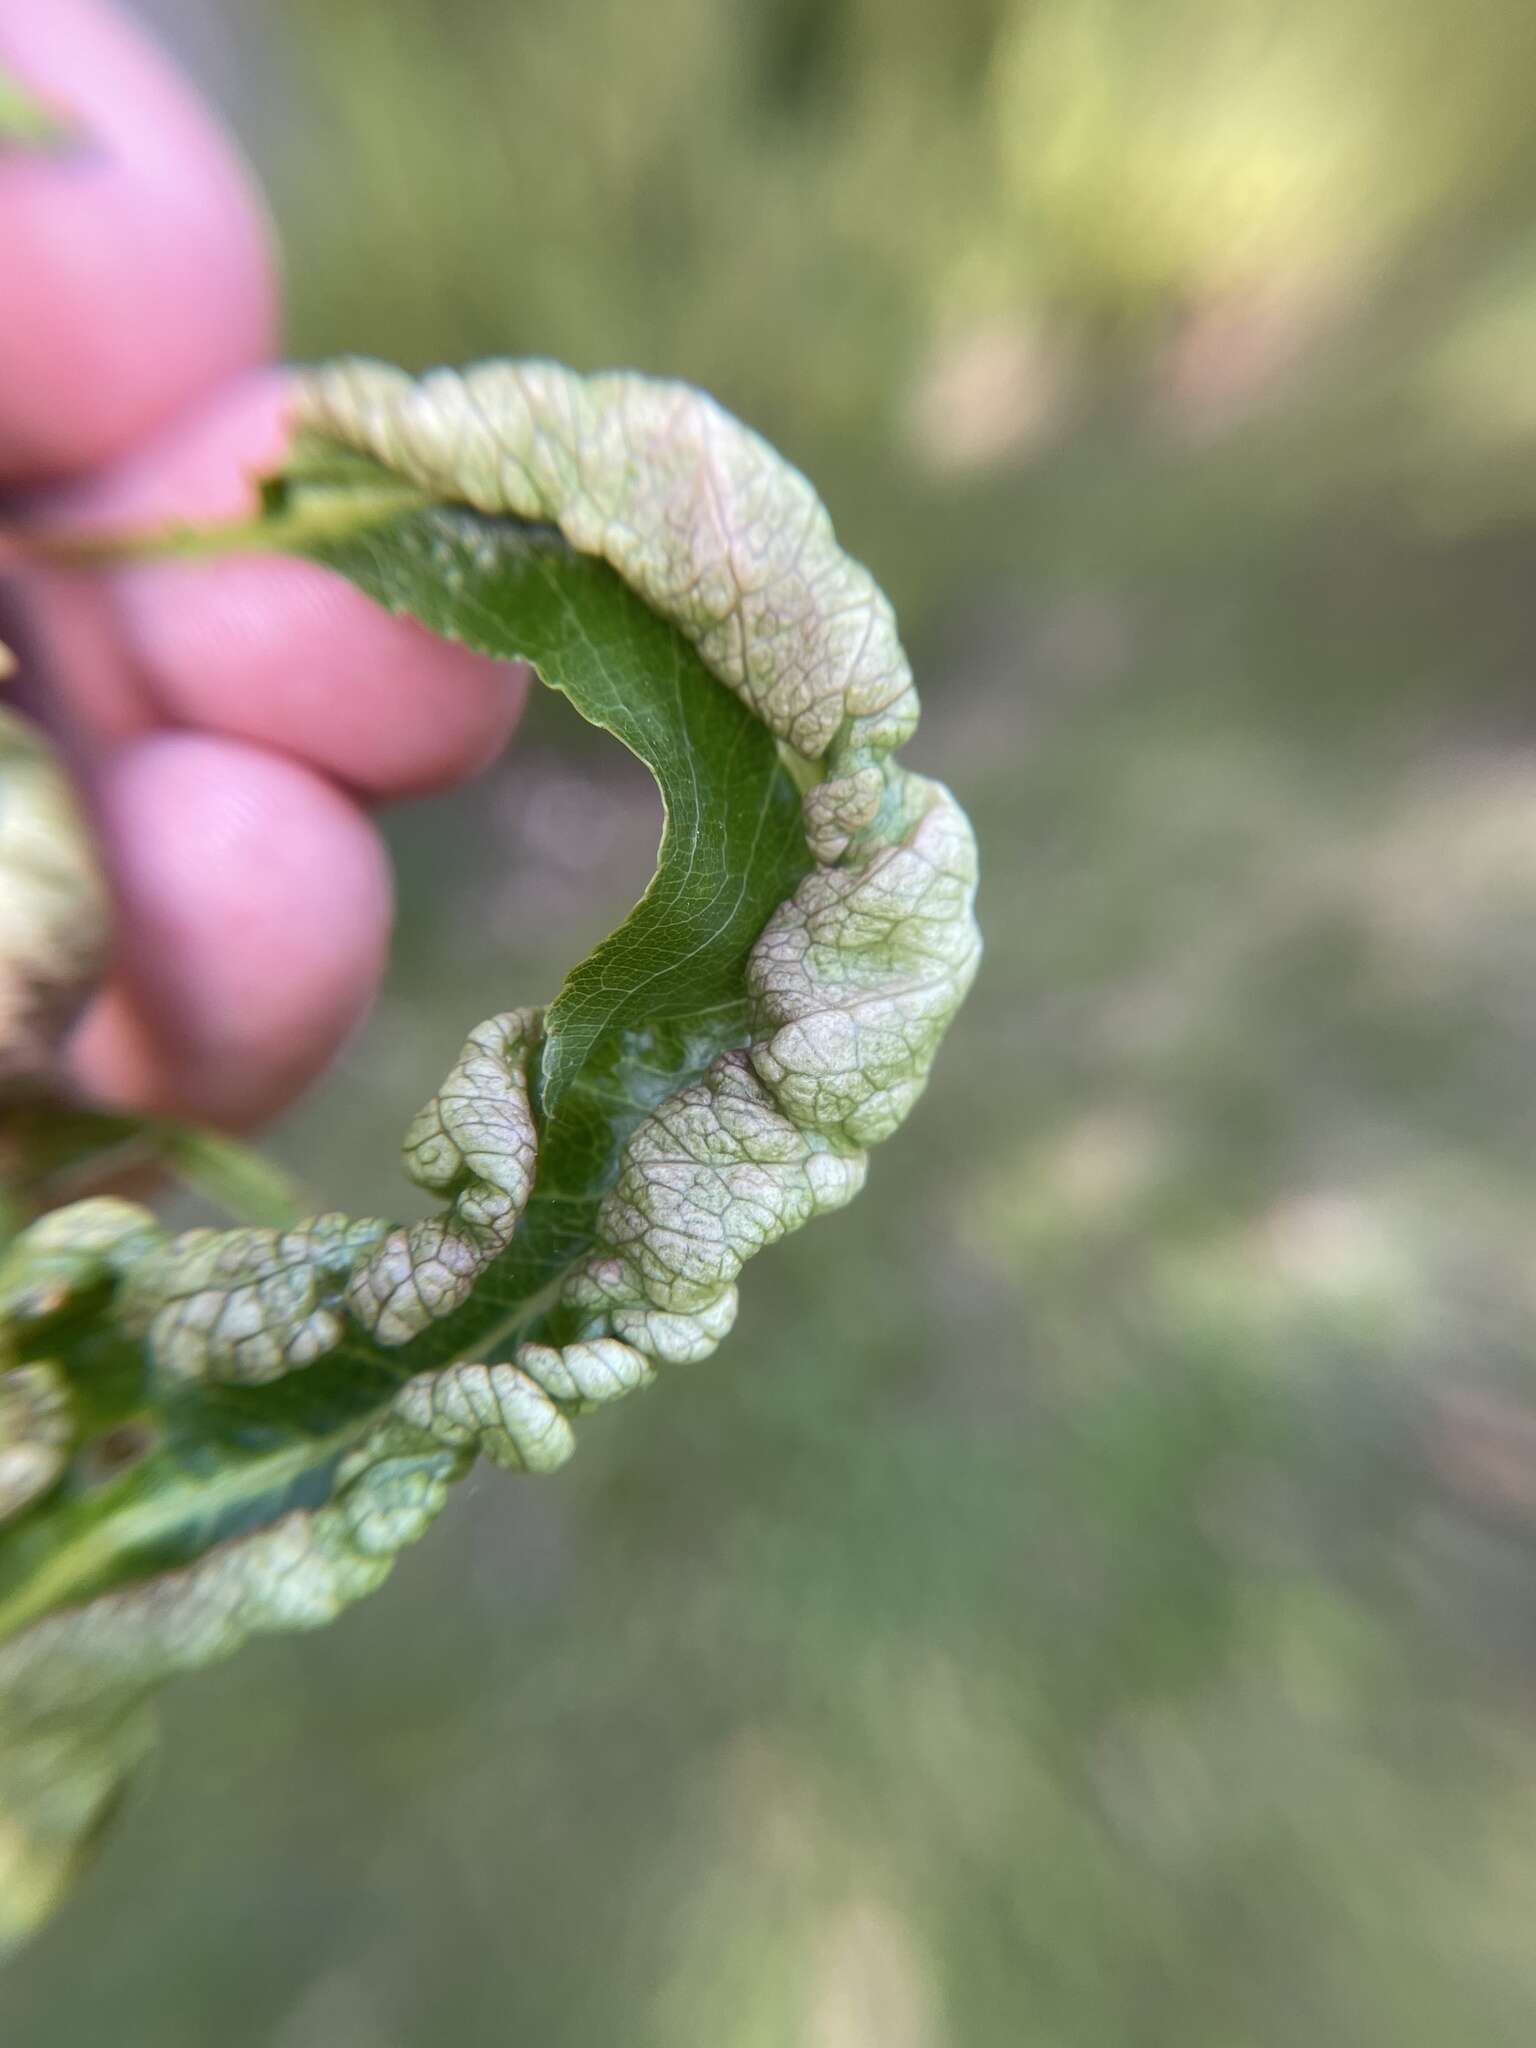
x=228 y=1432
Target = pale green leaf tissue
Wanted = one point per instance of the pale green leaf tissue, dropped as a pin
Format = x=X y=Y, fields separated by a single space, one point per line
x=226 y=1432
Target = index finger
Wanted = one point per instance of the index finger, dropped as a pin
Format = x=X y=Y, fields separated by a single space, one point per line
x=137 y=263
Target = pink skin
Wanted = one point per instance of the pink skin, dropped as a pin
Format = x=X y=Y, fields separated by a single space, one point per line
x=229 y=719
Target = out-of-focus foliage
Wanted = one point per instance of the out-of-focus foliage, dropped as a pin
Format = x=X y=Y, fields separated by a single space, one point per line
x=635 y=185
x=1157 y=155
x=1109 y=1614
x=803 y=204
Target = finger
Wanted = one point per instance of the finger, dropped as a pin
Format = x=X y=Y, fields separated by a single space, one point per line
x=255 y=904
x=277 y=651
x=137 y=268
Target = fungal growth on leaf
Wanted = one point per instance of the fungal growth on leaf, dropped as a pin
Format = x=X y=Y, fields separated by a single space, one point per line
x=224 y=1432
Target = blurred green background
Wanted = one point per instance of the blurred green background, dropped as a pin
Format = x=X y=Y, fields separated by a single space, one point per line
x=1091 y=1602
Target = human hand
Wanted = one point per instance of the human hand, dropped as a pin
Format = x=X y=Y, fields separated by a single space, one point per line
x=230 y=721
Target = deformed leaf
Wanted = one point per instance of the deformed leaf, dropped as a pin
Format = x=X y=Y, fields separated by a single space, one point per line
x=54 y=928
x=222 y=1433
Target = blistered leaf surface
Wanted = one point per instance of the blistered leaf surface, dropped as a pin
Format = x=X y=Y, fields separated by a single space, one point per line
x=225 y=1432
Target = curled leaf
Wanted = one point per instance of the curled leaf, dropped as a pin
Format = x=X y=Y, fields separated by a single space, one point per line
x=54 y=922
x=296 y=1402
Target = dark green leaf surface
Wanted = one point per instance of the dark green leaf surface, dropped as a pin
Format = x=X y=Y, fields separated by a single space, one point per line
x=220 y=1433
x=654 y=1004
x=649 y=1009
